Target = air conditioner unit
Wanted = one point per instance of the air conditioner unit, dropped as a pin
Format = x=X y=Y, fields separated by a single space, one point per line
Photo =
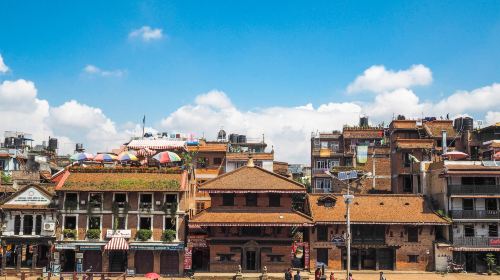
x=49 y=226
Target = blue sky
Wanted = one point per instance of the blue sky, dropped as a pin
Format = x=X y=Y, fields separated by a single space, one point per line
x=260 y=54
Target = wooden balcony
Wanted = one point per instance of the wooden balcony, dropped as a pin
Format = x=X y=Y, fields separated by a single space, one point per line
x=477 y=241
x=473 y=189
x=475 y=214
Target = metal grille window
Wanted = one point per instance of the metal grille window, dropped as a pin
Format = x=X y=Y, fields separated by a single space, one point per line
x=469 y=231
x=38 y=225
x=17 y=224
x=493 y=230
x=27 y=224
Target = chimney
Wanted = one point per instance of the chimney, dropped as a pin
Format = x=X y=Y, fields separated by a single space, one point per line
x=250 y=161
x=445 y=148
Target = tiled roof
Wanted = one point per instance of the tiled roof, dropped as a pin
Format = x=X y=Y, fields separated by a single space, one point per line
x=375 y=209
x=251 y=179
x=403 y=124
x=414 y=143
x=247 y=217
x=470 y=169
x=79 y=181
x=245 y=156
x=208 y=147
x=370 y=133
x=434 y=128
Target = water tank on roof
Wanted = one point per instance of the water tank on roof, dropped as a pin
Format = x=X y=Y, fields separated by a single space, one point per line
x=148 y=134
x=9 y=142
x=363 y=121
x=164 y=134
x=468 y=124
x=79 y=147
x=242 y=138
x=457 y=123
x=221 y=136
x=233 y=138
x=52 y=144
x=401 y=118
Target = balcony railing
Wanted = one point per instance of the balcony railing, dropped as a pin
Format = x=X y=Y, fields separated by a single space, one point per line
x=318 y=190
x=380 y=240
x=475 y=214
x=319 y=170
x=473 y=189
x=477 y=241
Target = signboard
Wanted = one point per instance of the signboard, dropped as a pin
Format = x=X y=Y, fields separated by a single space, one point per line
x=31 y=196
x=495 y=242
x=130 y=272
x=65 y=246
x=353 y=174
x=125 y=233
x=56 y=269
x=300 y=255
x=90 y=247
x=79 y=255
x=198 y=241
x=157 y=247
x=338 y=240
x=188 y=258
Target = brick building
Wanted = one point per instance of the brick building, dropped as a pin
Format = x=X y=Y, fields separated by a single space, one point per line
x=113 y=219
x=250 y=223
x=390 y=232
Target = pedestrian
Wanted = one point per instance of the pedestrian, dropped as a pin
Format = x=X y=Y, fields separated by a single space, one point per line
x=297 y=276
x=332 y=276
x=350 y=276
x=288 y=274
x=382 y=276
x=317 y=274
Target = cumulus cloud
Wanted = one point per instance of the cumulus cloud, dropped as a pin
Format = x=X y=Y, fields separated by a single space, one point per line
x=492 y=117
x=3 y=67
x=146 y=33
x=378 y=79
x=94 y=70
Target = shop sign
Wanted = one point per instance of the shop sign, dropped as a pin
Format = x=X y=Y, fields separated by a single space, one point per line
x=495 y=242
x=338 y=240
x=63 y=246
x=79 y=255
x=90 y=247
x=125 y=233
x=198 y=241
x=156 y=247
x=188 y=258
x=31 y=196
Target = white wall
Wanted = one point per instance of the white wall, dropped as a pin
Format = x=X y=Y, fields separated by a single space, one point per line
x=10 y=220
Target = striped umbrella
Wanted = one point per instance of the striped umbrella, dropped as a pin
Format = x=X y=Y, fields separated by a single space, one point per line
x=164 y=157
x=127 y=156
x=81 y=157
x=105 y=158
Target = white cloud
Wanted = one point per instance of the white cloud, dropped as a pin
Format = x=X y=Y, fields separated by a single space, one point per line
x=492 y=117
x=477 y=100
x=378 y=79
x=94 y=70
x=146 y=33
x=3 y=67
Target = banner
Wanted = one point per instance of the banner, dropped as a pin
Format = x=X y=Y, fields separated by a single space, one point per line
x=188 y=258
x=361 y=154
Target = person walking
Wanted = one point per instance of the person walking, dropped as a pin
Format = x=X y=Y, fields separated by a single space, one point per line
x=288 y=274
x=332 y=276
x=297 y=276
x=382 y=276
x=317 y=274
x=350 y=276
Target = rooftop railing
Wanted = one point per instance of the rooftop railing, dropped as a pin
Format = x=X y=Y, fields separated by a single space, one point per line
x=475 y=214
x=473 y=189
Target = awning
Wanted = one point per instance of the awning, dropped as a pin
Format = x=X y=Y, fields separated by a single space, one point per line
x=116 y=243
x=156 y=144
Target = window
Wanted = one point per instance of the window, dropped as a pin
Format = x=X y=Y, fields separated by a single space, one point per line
x=251 y=199
x=171 y=200
x=412 y=234
x=491 y=204
x=407 y=184
x=94 y=222
x=225 y=257
x=413 y=258
x=71 y=201
x=324 y=145
x=38 y=225
x=322 y=233
x=274 y=200
x=120 y=222
x=333 y=162
x=2 y=165
x=493 y=230
x=170 y=223
x=468 y=204
x=70 y=222
x=145 y=223
x=228 y=199
x=217 y=160
x=27 y=224
x=321 y=164
x=95 y=200
x=251 y=231
x=121 y=199
x=322 y=255
x=146 y=201
x=324 y=184
x=17 y=224
x=469 y=231
x=406 y=160
x=275 y=258
x=200 y=206
x=478 y=180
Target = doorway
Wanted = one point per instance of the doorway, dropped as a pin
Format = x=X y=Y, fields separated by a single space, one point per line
x=118 y=261
x=201 y=259
x=251 y=263
x=68 y=260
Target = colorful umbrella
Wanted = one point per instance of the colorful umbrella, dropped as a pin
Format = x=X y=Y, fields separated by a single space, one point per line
x=164 y=157
x=152 y=275
x=81 y=157
x=455 y=155
x=127 y=156
x=105 y=157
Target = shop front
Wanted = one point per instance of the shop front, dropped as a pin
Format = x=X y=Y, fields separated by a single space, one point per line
x=157 y=257
x=25 y=254
x=78 y=257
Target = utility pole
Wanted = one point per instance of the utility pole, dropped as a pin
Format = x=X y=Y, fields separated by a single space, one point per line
x=348 y=199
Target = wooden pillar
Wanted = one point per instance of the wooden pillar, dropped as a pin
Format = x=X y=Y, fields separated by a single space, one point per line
x=181 y=261
x=4 y=259
x=105 y=261
x=19 y=250
x=34 y=257
x=359 y=259
x=377 y=267
x=156 y=261
x=131 y=259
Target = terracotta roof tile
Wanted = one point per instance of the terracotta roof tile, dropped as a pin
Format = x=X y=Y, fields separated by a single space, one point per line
x=249 y=217
x=375 y=209
x=251 y=179
x=208 y=147
x=122 y=181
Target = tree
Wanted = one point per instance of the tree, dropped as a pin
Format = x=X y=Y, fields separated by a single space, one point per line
x=490 y=261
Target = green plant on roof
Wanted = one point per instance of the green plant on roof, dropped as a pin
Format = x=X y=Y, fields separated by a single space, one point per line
x=124 y=184
x=144 y=234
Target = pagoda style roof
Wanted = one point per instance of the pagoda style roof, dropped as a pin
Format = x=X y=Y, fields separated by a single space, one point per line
x=254 y=179
x=249 y=217
x=373 y=209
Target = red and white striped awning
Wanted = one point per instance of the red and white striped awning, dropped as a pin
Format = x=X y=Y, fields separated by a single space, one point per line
x=116 y=243
x=156 y=144
x=146 y=152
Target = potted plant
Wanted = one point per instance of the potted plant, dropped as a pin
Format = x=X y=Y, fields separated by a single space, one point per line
x=490 y=262
x=120 y=207
x=69 y=233
x=168 y=235
x=146 y=206
x=70 y=205
x=144 y=234
x=93 y=233
x=169 y=207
